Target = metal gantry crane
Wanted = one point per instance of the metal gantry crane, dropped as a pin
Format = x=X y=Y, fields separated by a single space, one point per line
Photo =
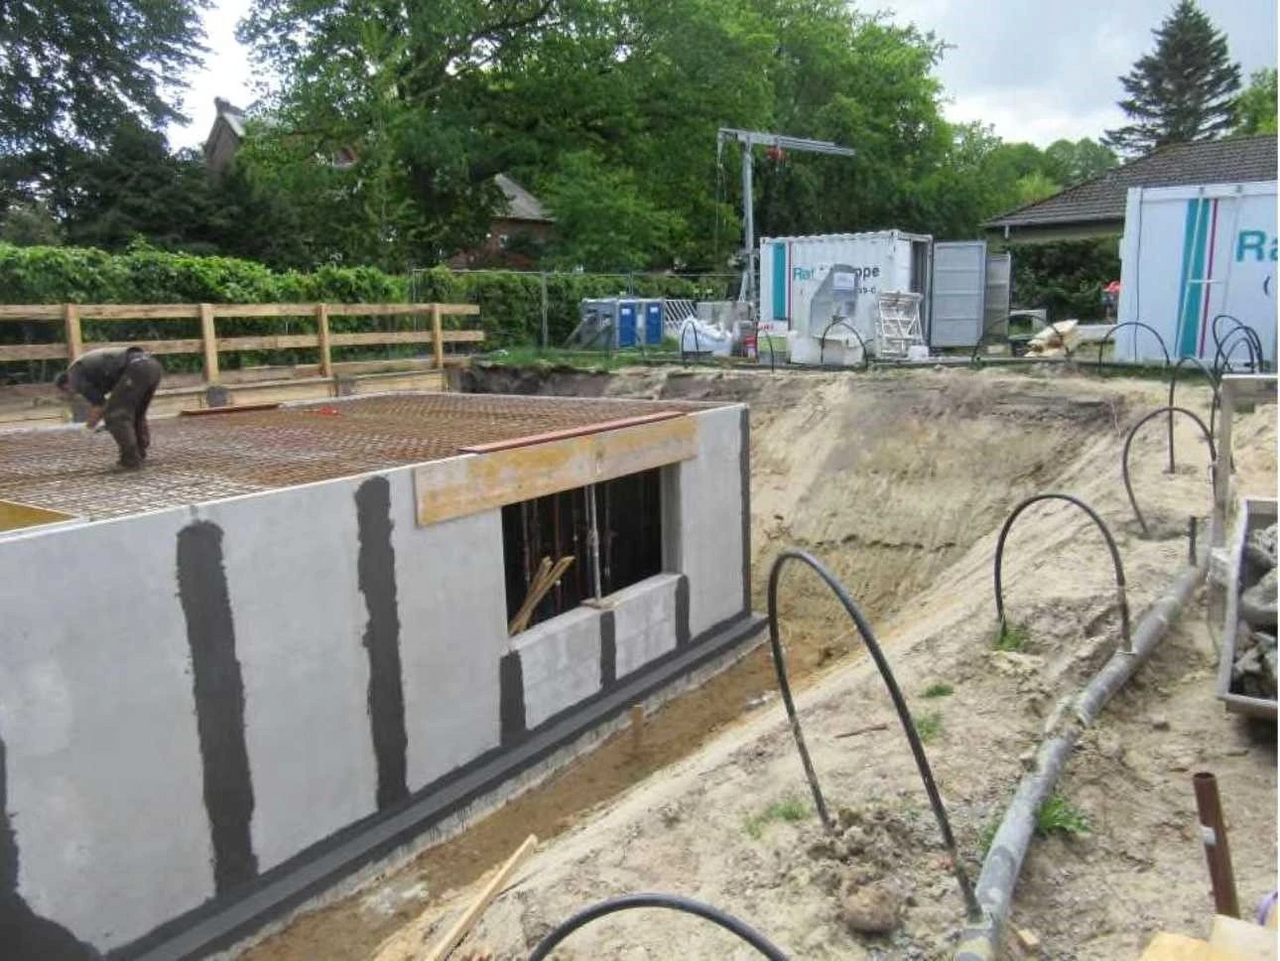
x=750 y=139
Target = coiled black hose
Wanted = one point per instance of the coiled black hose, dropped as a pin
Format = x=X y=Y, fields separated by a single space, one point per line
x=697 y=347
x=673 y=902
x=1222 y=356
x=899 y=703
x=1252 y=334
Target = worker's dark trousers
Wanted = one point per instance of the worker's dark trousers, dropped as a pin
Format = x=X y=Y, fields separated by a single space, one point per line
x=126 y=412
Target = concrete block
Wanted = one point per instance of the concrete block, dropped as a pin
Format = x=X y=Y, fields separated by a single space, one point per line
x=712 y=547
x=100 y=752
x=560 y=661
x=453 y=627
x=644 y=621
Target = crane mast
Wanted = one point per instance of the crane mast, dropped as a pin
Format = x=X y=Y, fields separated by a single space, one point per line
x=750 y=139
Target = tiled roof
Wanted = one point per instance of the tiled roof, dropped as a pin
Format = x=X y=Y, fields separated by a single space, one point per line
x=521 y=205
x=1237 y=160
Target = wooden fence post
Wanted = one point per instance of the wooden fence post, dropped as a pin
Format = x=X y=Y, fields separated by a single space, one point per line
x=322 y=329
x=209 y=338
x=437 y=334
x=71 y=325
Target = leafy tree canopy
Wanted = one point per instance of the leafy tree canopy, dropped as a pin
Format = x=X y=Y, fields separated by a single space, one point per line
x=1256 y=105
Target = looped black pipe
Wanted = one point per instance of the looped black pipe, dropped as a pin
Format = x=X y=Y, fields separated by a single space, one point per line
x=899 y=703
x=1222 y=356
x=697 y=346
x=1121 y=596
x=974 y=360
x=822 y=343
x=1128 y=442
x=673 y=902
x=1213 y=407
x=1133 y=323
x=1239 y=324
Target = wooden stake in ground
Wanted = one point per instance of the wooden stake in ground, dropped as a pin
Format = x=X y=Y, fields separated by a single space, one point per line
x=406 y=944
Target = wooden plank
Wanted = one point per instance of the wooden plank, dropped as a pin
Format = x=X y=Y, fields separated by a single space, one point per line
x=429 y=379
x=71 y=331
x=265 y=310
x=56 y=351
x=209 y=344
x=31 y=311
x=376 y=338
x=406 y=943
x=322 y=331
x=570 y=432
x=395 y=310
x=140 y=312
x=268 y=342
x=436 y=335
x=1242 y=939
x=479 y=482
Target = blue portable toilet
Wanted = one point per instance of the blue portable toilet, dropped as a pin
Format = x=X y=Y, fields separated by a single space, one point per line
x=627 y=324
x=653 y=317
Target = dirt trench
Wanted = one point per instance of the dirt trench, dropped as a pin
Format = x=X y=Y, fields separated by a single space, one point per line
x=898 y=481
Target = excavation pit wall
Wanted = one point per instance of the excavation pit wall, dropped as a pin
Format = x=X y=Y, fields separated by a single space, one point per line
x=202 y=704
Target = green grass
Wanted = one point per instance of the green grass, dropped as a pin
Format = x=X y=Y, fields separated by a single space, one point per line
x=987 y=835
x=1013 y=637
x=788 y=809
x=939 y=690
x=1058 y=816
x=928 y=726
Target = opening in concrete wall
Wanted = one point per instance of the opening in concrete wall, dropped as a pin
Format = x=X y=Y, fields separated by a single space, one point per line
x=629 y=519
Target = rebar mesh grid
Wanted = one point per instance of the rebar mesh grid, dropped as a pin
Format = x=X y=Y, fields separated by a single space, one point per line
x=208 y=457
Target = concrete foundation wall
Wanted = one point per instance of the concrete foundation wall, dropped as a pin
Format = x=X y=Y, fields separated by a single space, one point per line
x=711 y=543
x=560 y=663
x=645 y=623
x=191 y=698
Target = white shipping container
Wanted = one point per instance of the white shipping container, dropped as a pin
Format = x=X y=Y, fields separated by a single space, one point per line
x=806 y=283
x=1191 y=254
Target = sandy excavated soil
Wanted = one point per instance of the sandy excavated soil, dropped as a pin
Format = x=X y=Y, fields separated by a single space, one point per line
x=899 y=482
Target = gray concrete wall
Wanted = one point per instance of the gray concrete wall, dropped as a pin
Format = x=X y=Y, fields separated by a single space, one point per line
x=193 y=697
x=710 y=545
x=560 y=663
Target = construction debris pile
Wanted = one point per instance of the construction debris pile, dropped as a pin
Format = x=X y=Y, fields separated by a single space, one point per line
x=1254 y=670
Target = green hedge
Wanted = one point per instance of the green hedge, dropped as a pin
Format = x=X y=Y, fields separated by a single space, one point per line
x=510 y=303
x=1066 y=276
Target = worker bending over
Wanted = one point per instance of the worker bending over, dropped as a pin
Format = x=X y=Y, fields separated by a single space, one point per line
x=118 y=383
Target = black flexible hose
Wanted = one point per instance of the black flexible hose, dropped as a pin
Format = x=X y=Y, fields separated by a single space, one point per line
x=822 y=343
x=697 y=347
x=673 y=902
x=772 y=365
x=1133 y=323
x=1222 y=356
x=1213 y=407
x=1249 y=331
x=1121 y=596
x=1128 y=442
x=899 y=703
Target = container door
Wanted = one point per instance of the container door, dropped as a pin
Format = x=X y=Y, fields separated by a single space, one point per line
x=626 y=324
x=959 y=285
x=999 y=293
x=653 y=323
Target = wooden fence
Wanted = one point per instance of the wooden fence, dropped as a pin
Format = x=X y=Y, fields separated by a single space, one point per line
x=210 y=344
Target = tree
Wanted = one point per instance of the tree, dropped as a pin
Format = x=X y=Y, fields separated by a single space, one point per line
x=1256 y=105
x=71 y=71
x=1181 y=92
x=1070 y=163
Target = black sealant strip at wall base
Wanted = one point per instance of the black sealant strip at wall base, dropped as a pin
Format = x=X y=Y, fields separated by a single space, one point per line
x=220 y=923
x=608 y=648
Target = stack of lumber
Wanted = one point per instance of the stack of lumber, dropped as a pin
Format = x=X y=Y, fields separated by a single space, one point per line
x=1062 y=337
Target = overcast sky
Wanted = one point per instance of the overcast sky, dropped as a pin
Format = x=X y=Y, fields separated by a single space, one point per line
x=1036 y=70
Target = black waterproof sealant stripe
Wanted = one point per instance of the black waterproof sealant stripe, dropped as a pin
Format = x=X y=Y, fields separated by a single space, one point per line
x=219 y=697
x=376 y=575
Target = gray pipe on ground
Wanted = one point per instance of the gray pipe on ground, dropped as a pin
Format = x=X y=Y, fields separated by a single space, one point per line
x=1000 y=870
